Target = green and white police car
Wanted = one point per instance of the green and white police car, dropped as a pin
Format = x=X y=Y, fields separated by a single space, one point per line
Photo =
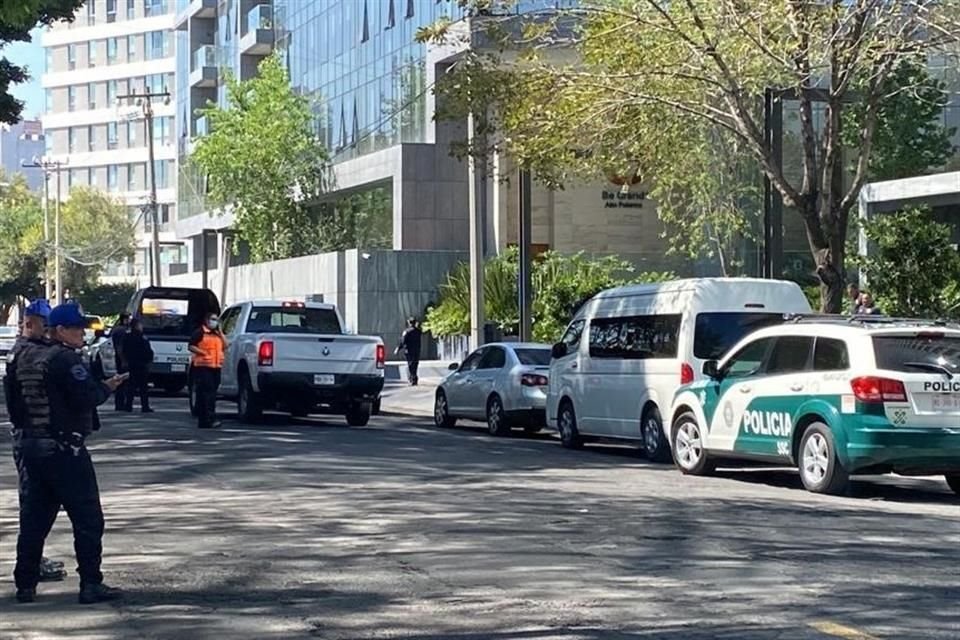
x=834 y=396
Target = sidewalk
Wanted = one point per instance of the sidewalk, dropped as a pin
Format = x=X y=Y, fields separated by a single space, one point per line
x=436 y=370
x=399 y=398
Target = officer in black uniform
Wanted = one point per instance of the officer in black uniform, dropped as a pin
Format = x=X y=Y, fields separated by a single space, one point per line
x=53 y=396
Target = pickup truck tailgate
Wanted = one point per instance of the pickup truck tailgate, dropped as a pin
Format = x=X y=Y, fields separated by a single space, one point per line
x=339 y=354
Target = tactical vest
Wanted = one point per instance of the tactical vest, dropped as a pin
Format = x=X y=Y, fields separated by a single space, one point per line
x=33 y=360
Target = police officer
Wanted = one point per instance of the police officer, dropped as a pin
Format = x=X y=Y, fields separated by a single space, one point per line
x=53 y=397
x=139 y=355
x=410 y=344
x=116 y=337
x=207 y=346
x=34 y=327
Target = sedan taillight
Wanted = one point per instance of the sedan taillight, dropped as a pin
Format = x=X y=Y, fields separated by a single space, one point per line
x=533 y=380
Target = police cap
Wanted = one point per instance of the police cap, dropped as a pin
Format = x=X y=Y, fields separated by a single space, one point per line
x=39 y=308
x=67 y=315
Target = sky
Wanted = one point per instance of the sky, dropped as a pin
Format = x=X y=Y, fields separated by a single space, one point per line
x=29 y=54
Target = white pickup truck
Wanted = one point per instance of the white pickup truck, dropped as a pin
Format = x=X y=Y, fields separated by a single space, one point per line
x=295 y=356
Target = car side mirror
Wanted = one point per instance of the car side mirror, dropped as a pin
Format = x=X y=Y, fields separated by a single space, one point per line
x=559 y=350
x=710 y=369
x=453 y=367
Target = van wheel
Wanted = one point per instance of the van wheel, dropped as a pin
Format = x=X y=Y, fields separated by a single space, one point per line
x=358 y=415
x=497 y=422
x=953 y=481
x=249 y=406
x=567 y=424
x=689 y=454
x=820 y=470
x=651 y=428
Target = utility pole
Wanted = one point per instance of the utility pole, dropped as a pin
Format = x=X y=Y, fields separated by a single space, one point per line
x=145 y=100
x=49 y=166
x=525 y=288
x=476 y=245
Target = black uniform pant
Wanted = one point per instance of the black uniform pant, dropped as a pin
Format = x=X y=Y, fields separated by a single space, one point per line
x=206 y=381
x=413 y=365
x=51 y=475
x=120 y=395
x=138 y=385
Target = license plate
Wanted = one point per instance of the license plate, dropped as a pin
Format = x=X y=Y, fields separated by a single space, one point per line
x=946 y=402
x=178 y=368
x=323 y=379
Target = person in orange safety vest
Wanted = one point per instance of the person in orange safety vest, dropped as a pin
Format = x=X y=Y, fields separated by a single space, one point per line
x=207 y=346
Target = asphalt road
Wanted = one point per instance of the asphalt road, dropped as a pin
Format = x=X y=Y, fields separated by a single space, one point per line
x=310 y=529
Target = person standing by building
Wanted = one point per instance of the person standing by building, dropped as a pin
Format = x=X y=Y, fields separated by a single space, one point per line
x=139 y=356
x=410 y=343
x=116 y=337
x=34 y=327
x=207 y=346
x=53 y=399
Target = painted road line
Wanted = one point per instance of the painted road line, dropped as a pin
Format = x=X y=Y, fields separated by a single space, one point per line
x=841 y=631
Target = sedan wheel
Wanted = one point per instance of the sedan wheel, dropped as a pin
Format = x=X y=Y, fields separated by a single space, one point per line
x=497 y=423
x=441 y=411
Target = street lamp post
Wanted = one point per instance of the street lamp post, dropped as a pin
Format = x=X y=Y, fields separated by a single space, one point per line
x=50 y=166
x=145 y=99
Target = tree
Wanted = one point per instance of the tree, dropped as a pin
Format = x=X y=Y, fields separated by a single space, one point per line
x=17 y=18
x=264 y=162
x=357 y=221
x=561 y=283
x=912 y=268
x=909 y=140
x=94 y=229
x=21 y=243
x=621 y=84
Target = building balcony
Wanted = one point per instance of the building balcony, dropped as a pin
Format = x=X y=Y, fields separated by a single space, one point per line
x=188 y=9
x=203 y=67
x=201 y=127
x=258 y=37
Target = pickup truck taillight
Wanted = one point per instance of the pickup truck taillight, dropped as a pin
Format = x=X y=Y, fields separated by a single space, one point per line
x=533 y=380
x=877 y=390
x=265 y=354
x=381 y=356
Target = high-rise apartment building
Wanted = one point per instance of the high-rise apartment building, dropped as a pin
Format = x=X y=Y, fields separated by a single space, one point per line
x=114 y=48
x=19 y=144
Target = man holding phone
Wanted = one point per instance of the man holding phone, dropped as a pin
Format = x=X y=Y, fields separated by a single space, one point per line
x=207 y=346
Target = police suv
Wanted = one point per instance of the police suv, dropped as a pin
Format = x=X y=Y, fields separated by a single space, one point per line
x=834 y=396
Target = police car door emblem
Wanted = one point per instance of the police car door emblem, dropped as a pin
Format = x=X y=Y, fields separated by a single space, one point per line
x=326 y=351
x=728 y=414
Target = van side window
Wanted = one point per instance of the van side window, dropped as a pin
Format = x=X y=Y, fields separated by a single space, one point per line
x=830 y=354
x=790 y=354
x=572 y=336
x=635 y=337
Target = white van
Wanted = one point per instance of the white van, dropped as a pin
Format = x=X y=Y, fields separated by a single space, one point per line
x=616 y=369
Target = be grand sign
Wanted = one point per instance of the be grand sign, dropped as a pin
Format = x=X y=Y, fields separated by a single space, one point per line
x=623 y=198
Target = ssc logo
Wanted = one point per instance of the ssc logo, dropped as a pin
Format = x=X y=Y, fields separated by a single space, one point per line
x=900 y=418
x=728 y=414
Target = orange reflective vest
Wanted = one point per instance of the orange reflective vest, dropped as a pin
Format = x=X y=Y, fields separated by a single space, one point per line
x=211 y=346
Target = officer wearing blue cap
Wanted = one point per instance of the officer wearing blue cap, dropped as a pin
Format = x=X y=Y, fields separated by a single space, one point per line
x=53 y=398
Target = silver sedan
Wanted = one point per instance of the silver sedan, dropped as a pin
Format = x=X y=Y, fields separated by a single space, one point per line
x=504 y=384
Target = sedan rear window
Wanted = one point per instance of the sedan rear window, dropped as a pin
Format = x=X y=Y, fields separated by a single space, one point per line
x=533 y=357
x=715 y=333
x=918 y=352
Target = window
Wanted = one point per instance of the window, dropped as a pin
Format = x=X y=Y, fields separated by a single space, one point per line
x=91 y=95
x=131 y=177
x=91 y=138
x=48 y=59
x=365 y=32
x=131 y=9
x=791 y=354
x=71 y=98
x=830 y=354
x=132 y=133
x=572 y=336
x=748 y=360
x=162 y=176
x=48 y=99
x=494 y=358
x=715 y=333
x=91 y=13
x=163 y=130
x=132 y=47
x=154 y=83
x=229 y=320
x=293 y=320
x=924 y=352
x=111 y=10
x=391 y=16
x=533 y=357
x=92 y=171
x=111 y=92
x=636 y=337
x=92 y=52
x=410 y=9
x=472 y=360
x=71 y=140
x=154 y=7
x=112 y=135
x=72 y=56
x=112 y=177
x=156 y=45
x=112 y=51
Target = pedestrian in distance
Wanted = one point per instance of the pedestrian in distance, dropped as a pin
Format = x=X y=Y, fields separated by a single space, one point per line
x=34 y=327
x=867 y=306
x=410 y=343
x=139 y=356
x=116 y=337
x=853 y=298
x=52 y=399
x=207 y=346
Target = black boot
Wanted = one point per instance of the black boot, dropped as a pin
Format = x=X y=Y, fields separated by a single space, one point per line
x=26 y=595
x=93 y=593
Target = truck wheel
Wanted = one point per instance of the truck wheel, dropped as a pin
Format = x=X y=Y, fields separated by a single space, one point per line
x=192 y=398
x=358 y=415
x=820 y=469
x=248 y=402
x=376 y=407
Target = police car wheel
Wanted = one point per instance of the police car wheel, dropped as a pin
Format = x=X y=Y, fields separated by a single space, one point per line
x=654 y=442
x=820 y=470
x=953 y=481
x=688 y=452
x=567 y=425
